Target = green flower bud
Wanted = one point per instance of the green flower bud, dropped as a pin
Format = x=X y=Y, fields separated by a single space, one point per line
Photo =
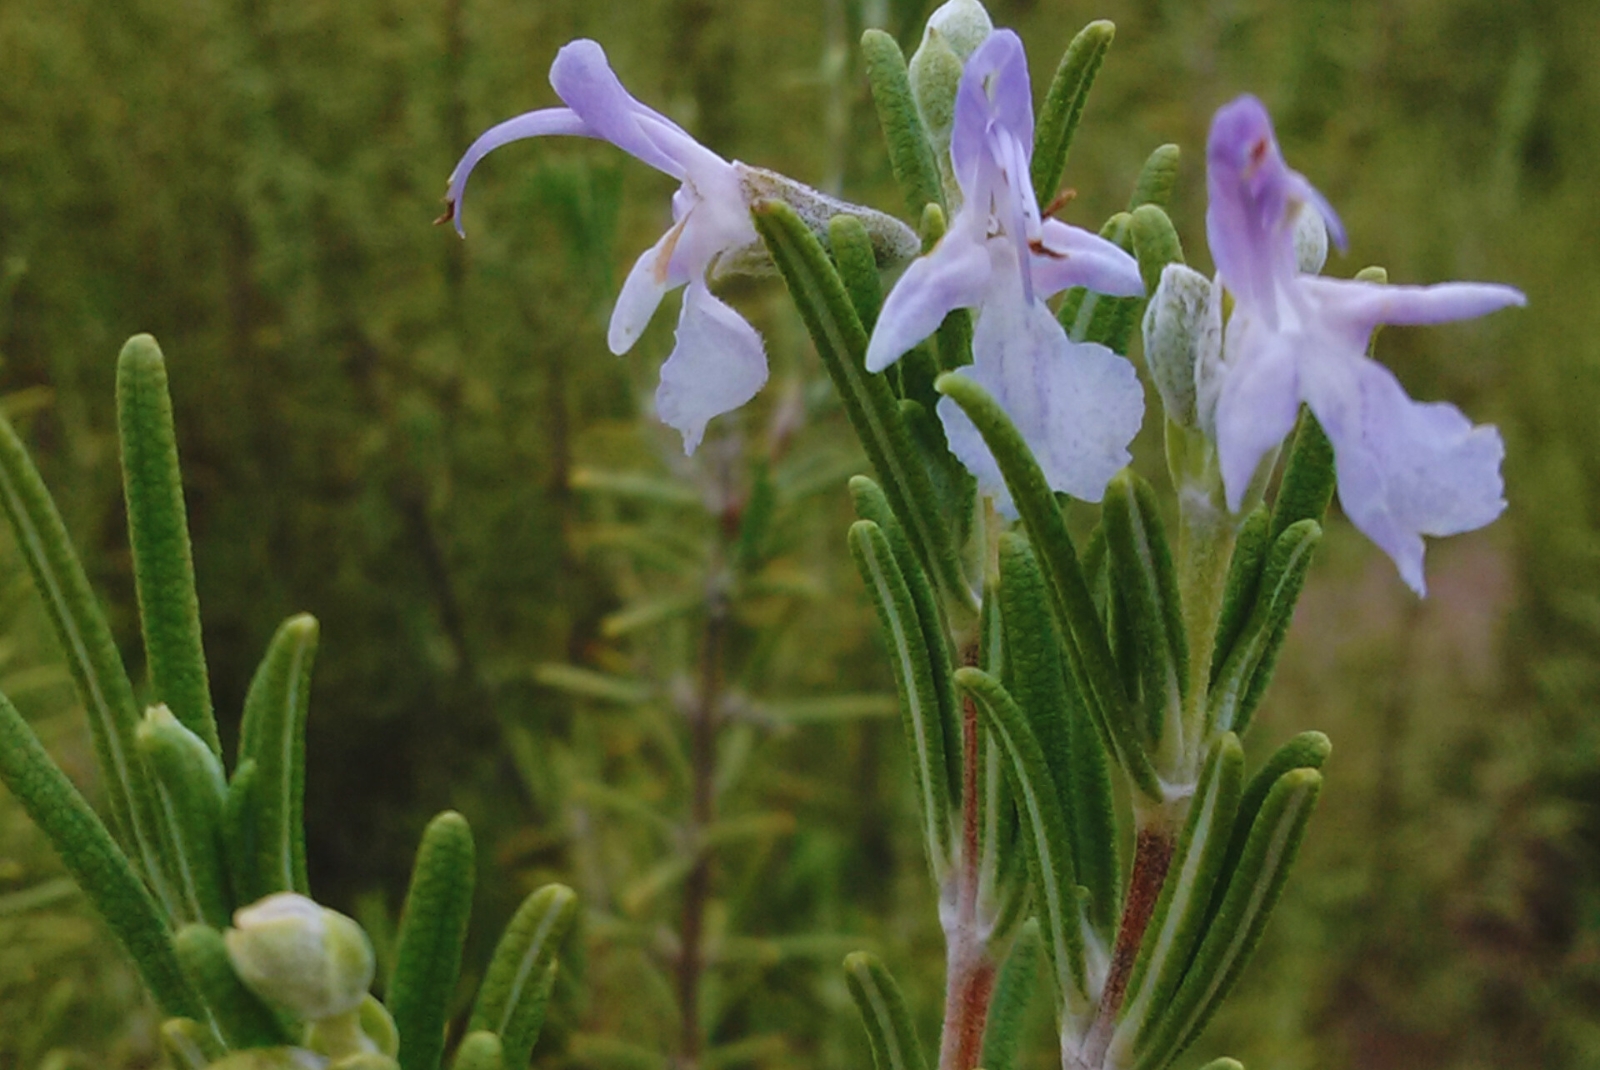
x=1182 y=341
x=1310 y=240
x=953 y=33
x=313 y=962
x=893 y=243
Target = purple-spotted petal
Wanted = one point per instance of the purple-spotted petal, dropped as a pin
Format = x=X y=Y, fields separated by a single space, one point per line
x=647 y=283
x=541 y=123
x=1072 y=256
x=1406 y=469
x=583 y=79
x=1253 y=199
x=1077 y=405
x=954 y=275
x=718 y=364
x=1259 y=400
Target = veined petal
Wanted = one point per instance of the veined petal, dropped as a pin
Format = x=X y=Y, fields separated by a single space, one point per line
x=994 y=92
x=718 y=364
x=583 y=79
x=1068 y=256
x=954 y=275
x=1077 y=405
x=1259 y=399
x=1406 y=469
x=1354 y=309
x=541 y=123
x=647 y=283
x=1253 y=198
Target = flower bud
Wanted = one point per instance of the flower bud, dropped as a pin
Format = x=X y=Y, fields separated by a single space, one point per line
x=953 y=33
x=311 y=961
x=1310 y=240
x=1182 y=337
x=893 y=243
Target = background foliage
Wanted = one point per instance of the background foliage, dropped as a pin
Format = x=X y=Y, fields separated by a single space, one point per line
x=399 y=433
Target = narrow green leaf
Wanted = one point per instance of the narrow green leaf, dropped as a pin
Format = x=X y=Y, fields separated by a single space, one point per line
x=1088 y=316
x=1223 y=1063
x=479 y=1051
x=1155 y=243
x=104 y=873
x=1055 y=886
x=1252 y=891
x=1063 y=106
x=1178 y=923
x=851 y=246
x=915 y=679
x=92 y=658
x=158 y=532
x=1244 y=577
x=1013 y=992
x=189 y=1045
x=1089 y=655
x=433 y=930
x=1308 y=750
x=1242 y=683
x=241 y=836
x=273 y=735
x=890 y=1032
x=910 y=153
x=1157 y=178
x=516 y=989
x=1143 y=576
x=1308 y=477
x=587 y=683
x=245 y=1021
x=1065 y=729
x=842 y=342
x=871 y=504
x=190 y=790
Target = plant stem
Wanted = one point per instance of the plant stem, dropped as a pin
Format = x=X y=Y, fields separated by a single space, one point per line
x=969 y=975
x=1156 y=837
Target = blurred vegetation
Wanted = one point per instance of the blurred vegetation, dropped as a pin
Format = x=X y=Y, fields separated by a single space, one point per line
x=389 y=428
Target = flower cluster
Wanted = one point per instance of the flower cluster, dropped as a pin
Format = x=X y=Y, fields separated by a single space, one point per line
x=1284 y=336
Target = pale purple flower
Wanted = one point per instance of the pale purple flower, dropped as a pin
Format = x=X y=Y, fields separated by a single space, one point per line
x=719 y=362
x=1078 y=405
x=1405 y=469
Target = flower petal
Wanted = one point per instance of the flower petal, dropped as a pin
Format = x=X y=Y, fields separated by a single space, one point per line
x=1077 y=405
x=1074 y=257
x=584 y=80
x=954 y=275
x=718 y=364
x=994 y=92
x=1259 y=399
x=1253 y=201
x=647 y=283
x=541 y=123
x=1406 y=469
x=1354 y=309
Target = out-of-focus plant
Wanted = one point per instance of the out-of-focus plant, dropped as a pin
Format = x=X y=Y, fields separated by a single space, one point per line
x=190 y=846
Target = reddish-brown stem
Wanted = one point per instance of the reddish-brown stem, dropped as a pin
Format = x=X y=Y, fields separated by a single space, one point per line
x=1152 y=855
x=969 y=979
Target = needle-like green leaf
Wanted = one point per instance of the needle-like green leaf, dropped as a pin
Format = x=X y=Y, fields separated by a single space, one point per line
x=433 y=930
x=158 y=532
x=273 y=735
x=890 y=1033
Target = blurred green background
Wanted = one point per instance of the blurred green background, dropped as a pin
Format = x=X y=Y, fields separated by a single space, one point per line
x=425 y=443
